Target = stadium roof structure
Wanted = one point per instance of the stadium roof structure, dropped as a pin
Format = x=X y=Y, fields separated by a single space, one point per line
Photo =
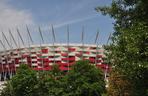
x=42 y=56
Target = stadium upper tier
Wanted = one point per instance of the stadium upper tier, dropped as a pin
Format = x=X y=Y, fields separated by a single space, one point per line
x=42 y=57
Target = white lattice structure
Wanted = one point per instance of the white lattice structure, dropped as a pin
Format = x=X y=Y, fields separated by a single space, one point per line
x=42 y=57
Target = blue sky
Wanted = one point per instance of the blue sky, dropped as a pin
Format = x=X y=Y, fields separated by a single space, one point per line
x=60 y=13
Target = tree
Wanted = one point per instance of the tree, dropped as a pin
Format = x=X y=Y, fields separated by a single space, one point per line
x=84 y=80
x=49 y=83
x=56 y=86
x=129 y=55
x=126 y=12
x=22 y=84
x=8 y=90
x=119 y=84
x=128 y=52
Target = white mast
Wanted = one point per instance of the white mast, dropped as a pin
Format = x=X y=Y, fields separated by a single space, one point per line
x=12 y=38
x=106 y=69
x=11 y=55
x=82 y=40
x=20 y=37
x=19 y=46
x=68 y=47
x=3 y=72
x=42 y=41
x=7 y=54
x=29 y=39
x=15 y=45
x=96 y=42
x=54 y=40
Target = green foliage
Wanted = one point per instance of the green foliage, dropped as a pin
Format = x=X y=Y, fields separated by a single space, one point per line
x=49 y=83
x=126 y=12
x=119 y=84
x=22 y=84
x=8 y=90
x=56 y=73
x=41 y=88
x=83 y=80
x=128 y=52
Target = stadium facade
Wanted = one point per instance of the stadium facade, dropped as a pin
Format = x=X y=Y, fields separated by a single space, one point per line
x=43 y=56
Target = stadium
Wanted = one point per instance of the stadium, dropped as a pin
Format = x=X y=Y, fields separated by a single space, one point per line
x=41 y=57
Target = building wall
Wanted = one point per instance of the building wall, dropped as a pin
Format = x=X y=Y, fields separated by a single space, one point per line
x=42 y=57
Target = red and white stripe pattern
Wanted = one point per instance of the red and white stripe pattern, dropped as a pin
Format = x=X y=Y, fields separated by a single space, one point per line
x=43 y=57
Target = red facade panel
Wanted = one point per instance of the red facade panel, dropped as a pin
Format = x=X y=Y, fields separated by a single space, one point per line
x=45 y=51
x=40 y=61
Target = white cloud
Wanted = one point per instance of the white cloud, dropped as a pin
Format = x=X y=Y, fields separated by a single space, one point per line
x=11 y=17
x=75 y=21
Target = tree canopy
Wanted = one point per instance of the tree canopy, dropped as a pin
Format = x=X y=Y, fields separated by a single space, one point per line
x=83 y=80
x=128 y=51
